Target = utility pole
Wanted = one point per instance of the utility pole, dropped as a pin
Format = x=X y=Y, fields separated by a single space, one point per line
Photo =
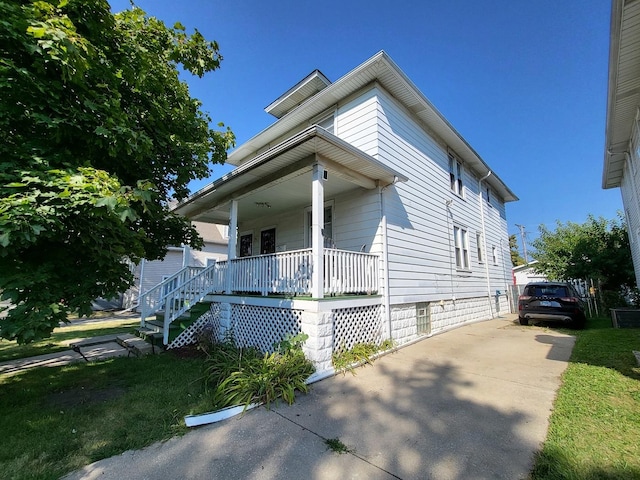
x=523 y=237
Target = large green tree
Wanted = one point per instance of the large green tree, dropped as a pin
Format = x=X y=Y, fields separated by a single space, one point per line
x=98 y=134
x=597 y=249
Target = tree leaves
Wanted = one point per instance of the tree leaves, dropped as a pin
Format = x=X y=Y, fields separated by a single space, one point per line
x=97 y=135
x=597 y=249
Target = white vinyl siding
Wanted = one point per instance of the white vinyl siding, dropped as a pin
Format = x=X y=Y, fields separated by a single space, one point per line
x=630 y=190
x=421 y=215
x=355 y=222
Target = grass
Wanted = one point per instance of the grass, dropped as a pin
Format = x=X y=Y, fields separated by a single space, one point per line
x=62 y=336
x=359 y=354
x=336 y=445
x=594 y=430
x=56 y=420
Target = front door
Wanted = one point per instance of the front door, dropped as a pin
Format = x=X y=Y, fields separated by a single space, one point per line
x=268 y=241
x=246 y=245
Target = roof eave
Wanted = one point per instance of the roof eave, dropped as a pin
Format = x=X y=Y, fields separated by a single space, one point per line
x=614 y=55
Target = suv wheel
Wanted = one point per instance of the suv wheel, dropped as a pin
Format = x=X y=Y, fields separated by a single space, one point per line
x=523 y=321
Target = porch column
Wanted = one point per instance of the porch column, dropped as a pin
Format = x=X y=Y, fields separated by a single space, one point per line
x=317 y=225
x=231 y=247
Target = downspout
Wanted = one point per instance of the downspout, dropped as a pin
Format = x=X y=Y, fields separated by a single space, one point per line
x=385 y=257
x=484 y=239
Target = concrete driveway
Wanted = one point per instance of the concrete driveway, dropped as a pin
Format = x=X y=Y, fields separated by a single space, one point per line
x=471 y=403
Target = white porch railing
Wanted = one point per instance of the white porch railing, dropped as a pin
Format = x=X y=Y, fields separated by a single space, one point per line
x=290 y=273
x=184 y=296
x=349 y=272
x=153 y=299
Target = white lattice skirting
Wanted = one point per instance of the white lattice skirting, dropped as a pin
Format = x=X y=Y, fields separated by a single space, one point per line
x=263 y=327
x=356 y=325
x=207 y=325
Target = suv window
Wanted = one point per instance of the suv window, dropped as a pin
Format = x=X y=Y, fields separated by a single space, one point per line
x=548 y=291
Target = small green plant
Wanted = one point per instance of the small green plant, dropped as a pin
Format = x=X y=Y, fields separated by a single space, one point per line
x=242 y=376
x=336 y=445
x=359 y=354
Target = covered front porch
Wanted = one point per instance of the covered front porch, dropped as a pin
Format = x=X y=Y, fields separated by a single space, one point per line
x=305 y=218
x=306 y=227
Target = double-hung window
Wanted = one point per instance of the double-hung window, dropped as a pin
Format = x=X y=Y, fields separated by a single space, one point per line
x=480 y=247
x=455 y=175
x=461 y=244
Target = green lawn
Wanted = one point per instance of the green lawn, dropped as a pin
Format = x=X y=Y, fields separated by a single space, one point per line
x=55 y=420
x=62 y=336
x=594 y=430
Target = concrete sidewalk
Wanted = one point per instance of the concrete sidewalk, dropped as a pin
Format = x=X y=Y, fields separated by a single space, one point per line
x=92 y=348
x=472 y=403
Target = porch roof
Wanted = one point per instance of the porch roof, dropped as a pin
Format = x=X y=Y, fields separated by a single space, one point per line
x=347 y=166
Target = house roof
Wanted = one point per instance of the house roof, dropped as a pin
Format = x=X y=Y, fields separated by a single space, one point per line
x=519 y=268
x=623 y=96
x=288 y=161
x=301 y=91
x=381 y=69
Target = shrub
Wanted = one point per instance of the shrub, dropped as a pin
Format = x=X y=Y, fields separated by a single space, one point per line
x=359 y=354
x=242 y=376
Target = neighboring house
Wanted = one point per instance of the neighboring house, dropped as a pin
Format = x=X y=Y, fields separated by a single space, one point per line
x=523 y=274
x=364 y=178
x=622 y=142
x=148 y=274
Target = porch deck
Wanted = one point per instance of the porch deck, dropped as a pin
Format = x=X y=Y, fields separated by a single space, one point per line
x=284 y=274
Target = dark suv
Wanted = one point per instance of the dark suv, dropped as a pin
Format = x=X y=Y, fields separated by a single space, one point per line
x=551 y=302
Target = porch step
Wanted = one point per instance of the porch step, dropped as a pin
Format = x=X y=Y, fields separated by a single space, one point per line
x=152 y=336
x=136 y=345
x=88 y=342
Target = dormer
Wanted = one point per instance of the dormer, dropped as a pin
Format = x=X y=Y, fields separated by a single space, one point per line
x=301 y=91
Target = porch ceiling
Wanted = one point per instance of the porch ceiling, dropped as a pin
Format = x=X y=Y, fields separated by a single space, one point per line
x=280 y=178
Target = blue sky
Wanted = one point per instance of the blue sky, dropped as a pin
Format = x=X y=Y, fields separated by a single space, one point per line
x=524 y=82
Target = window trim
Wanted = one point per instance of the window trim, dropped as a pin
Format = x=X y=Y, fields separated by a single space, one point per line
x=456 y=175
x=480 y=247
x=461 y=248
x=246 y=233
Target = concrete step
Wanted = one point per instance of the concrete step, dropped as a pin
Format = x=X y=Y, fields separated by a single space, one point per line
x=87 y=342
x=152 y=336
x=137 y=345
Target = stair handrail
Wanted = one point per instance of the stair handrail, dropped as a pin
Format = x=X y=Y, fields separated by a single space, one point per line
x=152 y=299
x=184 y=296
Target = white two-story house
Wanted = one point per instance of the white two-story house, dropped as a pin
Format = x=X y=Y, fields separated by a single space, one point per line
x=359 y=215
